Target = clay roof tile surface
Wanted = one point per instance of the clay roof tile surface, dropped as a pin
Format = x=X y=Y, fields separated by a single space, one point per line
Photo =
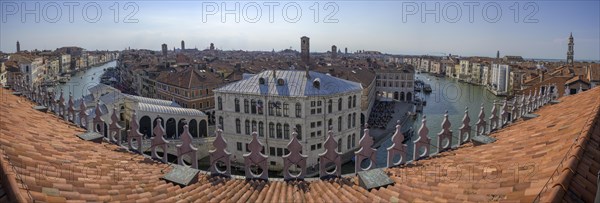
x=555 y=155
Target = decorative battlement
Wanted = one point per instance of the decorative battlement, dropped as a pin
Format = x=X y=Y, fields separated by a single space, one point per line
x=295 y=161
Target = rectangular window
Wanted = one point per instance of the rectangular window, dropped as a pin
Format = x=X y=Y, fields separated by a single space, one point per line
x=271 y=151
x=239 y=146
x=312 y=125
x=273 y=163
x=312 y=134
x=279 y=152
x=247 y=149
x=319 y=133
x=319 y=146
x=319 y=124
x=286 y=151
x=313 y=148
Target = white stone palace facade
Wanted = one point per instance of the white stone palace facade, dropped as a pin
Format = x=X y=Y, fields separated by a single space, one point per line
x=396 y=83
x=274 y=102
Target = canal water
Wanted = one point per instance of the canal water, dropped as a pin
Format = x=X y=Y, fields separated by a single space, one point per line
x=79 y=83
x=447 y=95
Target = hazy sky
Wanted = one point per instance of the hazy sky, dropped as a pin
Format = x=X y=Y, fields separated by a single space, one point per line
x=530 y=29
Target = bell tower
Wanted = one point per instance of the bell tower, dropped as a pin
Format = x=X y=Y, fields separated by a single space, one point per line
x=570 y=53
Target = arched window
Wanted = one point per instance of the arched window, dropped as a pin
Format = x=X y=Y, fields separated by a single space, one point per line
x=246 y=106
x=247 y=127
x=279 y=131
x=348 y=142
x=349 y=121
x=259 y=107
x=354 y=101
x=254 y=126
x=340 y=104
x=354 y=120
x=286 y=109
x=261 y=129
x=339 y=147
x=353 y=140
x=238 y=126
x=237 y=105
x=278 y=108
x=299 y=131
x=329 y=123
x=271 y=130
x=339 y=124
x=219 y=103
x=329 y=106
x=349 y=102
x=253 y=106
x=271 y=111
x=221 y=123
x=298 y=111
x=286 y=131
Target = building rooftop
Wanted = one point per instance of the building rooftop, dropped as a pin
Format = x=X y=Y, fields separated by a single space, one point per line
x=556 y=154
x=291 y=83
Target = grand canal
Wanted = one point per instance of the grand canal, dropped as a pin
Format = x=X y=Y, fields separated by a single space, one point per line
x=447 y=95
x=79 y=83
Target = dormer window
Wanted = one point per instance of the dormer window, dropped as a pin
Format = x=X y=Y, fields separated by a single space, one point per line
x=280 y=81
x=261 y=81
x=317 y=83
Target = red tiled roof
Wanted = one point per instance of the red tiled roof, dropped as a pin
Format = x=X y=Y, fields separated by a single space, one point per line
x=189 y=78
x=42 y=159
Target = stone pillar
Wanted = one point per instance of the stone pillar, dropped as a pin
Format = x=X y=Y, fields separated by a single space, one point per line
x=220 y=155
x=365 y=151
x=294 y=158
x=397 y=147
x=422 y=141
x=256 y=158
x=330 y=155
x=465 y=129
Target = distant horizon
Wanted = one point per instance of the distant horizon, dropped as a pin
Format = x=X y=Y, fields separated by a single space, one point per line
x=393 y=54
x=536 y=29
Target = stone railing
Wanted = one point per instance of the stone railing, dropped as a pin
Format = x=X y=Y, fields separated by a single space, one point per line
x=295 y=163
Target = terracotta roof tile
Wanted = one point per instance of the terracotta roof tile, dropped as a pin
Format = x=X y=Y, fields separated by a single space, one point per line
x=46 y=153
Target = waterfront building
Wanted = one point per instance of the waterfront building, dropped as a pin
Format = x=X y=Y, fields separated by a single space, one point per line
x=476 y=72
x=65 y=63
x=395 y=83
x=499 y=79
x=147 y=111
x=275 y=102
